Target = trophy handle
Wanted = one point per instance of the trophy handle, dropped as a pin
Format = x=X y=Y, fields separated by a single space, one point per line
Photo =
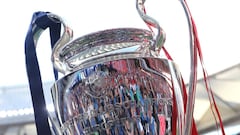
x=159 y=36
x=67 y=35
x=63 y=64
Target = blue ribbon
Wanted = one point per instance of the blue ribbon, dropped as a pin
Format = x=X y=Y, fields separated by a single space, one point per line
x=40 y=21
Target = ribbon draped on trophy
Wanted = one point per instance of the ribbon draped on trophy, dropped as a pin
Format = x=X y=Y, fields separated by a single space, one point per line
x=115 y=81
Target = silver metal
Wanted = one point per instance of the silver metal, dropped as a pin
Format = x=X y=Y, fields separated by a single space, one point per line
x=66 y=64
x=115 y=83
x=67 y=35
x=159 y=36
x=107 y=42
x=193 y=76
x=97 y=98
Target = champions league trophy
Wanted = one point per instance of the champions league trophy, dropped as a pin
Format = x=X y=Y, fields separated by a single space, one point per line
x=115 y=83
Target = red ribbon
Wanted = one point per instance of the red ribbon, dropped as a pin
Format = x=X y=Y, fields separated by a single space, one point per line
x=208 y=88
x=196 y=52
x=174 y=113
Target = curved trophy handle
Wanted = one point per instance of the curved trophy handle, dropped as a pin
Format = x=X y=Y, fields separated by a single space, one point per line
x=65 y=38
x=66 y=56
x=159 y=36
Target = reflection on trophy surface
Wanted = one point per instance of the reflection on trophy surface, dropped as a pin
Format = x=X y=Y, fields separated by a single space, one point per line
x=115 y=83
x=127 y=96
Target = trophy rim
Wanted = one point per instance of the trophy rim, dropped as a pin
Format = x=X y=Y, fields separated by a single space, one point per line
x=102 y=43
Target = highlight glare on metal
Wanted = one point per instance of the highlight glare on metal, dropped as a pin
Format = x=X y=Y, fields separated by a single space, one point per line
x=115 y=83
x=159 y=35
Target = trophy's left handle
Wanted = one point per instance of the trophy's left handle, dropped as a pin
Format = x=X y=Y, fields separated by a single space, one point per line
x=67 y=35
x=40 y=22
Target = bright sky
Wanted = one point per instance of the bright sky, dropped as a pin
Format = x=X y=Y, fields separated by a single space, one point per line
x=217 y=22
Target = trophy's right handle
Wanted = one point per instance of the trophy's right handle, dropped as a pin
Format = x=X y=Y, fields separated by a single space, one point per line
x=159 y=35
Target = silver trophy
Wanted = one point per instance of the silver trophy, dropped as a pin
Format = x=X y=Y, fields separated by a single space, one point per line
x=115 y=83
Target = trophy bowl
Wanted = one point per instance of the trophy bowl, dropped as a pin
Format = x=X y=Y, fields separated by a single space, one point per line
x=115 y=85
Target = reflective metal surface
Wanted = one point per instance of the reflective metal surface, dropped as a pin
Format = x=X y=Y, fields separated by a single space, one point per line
x=124 y=96
x=116 y=84
x=64 y=53
x=98 y=44
x=159 y=35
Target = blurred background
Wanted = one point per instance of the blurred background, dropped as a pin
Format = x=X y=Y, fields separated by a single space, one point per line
x=218 y=29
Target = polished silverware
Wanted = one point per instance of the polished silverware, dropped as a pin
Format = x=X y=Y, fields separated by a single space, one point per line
x=115 y=82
